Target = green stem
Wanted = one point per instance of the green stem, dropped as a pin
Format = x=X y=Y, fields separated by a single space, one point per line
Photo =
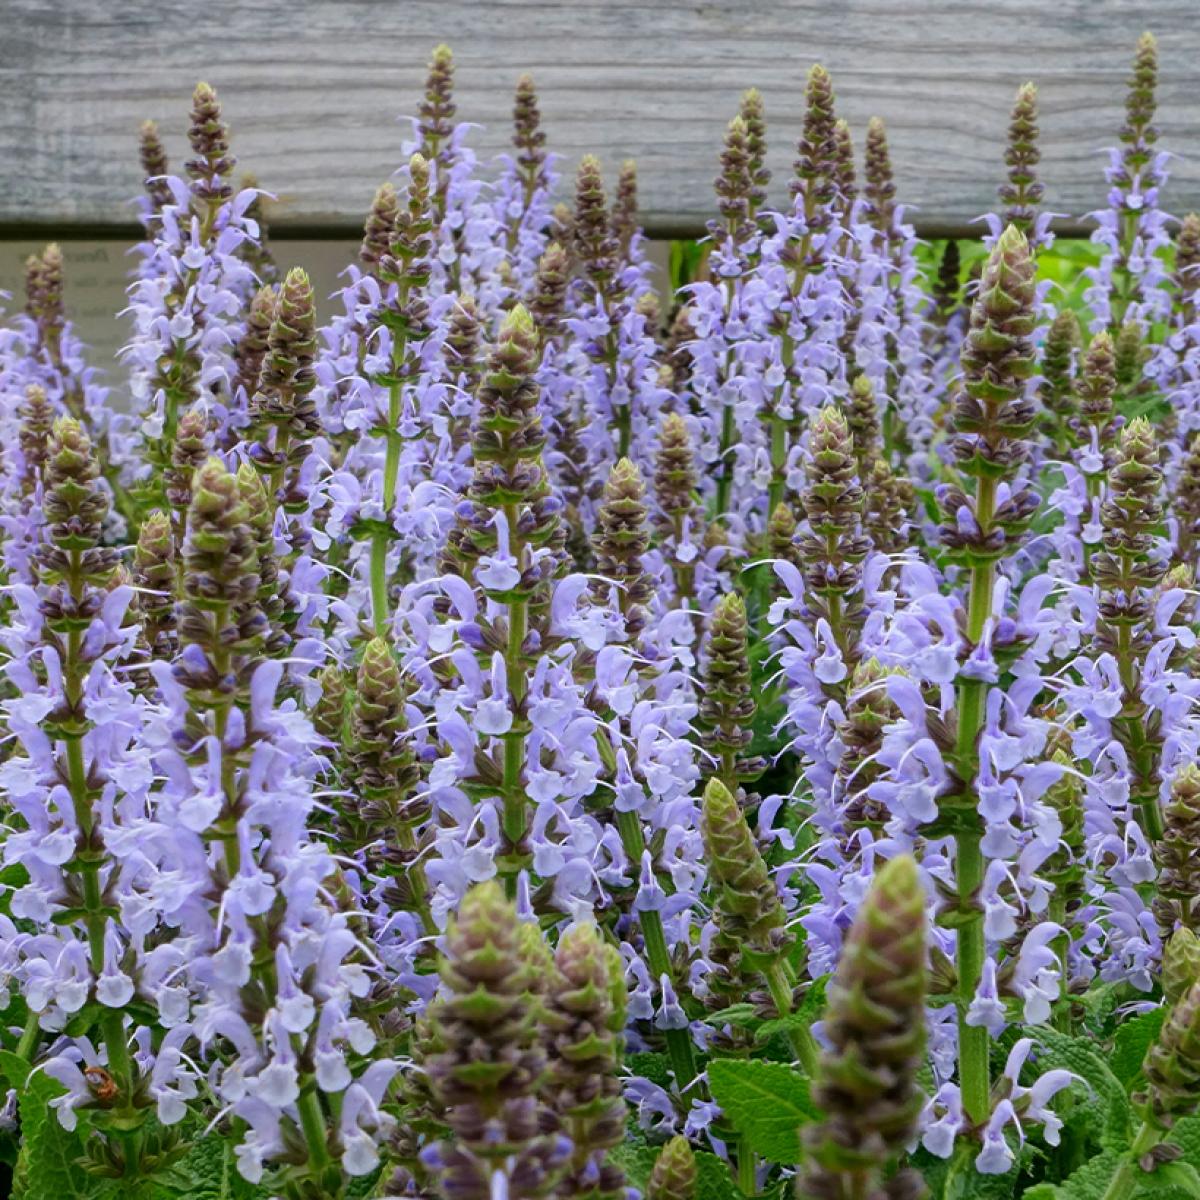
x=725 y=479
x=513 y=793
x=1132 y=731
x=417 y=883
x=974 y=1071
x=95 y=922
x=780 y=982
x=679 y=1041
x=30 y=1036
x=1057 y=914
x=379 y=581
x=747 y=1179
x=381 y=538
x=312 y=1122
x=775 y=487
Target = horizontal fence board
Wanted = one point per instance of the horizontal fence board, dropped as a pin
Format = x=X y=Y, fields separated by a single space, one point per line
x=312 y=91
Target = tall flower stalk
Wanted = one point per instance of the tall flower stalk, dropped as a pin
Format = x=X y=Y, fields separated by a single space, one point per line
x=991 y=420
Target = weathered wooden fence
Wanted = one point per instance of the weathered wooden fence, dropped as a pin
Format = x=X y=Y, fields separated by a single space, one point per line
x=313 y=90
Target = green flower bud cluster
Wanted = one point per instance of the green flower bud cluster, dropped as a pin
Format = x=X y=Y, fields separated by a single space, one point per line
x=1180 y=964
x=37 y=420
x=75 y=567
x=219 y=614
x=153 y=156
x=869 y=710
x=1177 y=897
x=1022 y=194
x=155 y=577
x=1057 y=389
x=817 y=153
x=781 y=534
x=733 y=185
x=507 y=449
x=727 y=703
x=74 y=507
x=585 y=1022
x=887 y=497
x=329 y=713
x=747 y=911
x=595 y=246
x=383 y=770
x=1126 y=573
x=283 y=415
x=1172 y=1064
x=992 y=416
x=548 y=301
x=875 y=1025
x=44 y=299
x=1187 y=268
x=189 y=451
x=271 y=599
x=251 y=349
x=435 y=114
x=624 y=210
x=379 y=228
x=832 y=546
x=529 y=139
x=880 y=187
x=673 y=1176
x=211 y=164
x=489 y=1070
x=752 y=113
x=844 y=173
x=620 y=541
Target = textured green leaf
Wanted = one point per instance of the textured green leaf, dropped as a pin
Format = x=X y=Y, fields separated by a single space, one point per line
x=743 y=1016
x=1185 y=1134
x=1131 y=1042
x=809 y=1011
x=48 y=1167
x=1108 y=1099
x=207 y=1172
x=14 y=1068
x=713 y=1178
x=1088 y=1183
x=766 y=1103
x=654 y=1067
x=1170 y=1180
x=635 y=1157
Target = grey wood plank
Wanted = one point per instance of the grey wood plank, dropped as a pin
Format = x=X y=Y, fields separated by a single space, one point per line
x=313 y=90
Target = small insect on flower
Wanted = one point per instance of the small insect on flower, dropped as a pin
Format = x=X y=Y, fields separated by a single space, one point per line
x=103 y=1085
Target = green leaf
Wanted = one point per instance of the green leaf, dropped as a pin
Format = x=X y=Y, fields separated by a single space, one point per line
x=207 y=1172
x=713 y=1180
x=742 y=1016
x=809 y=1011
x=1170 y=1180
x=766 y=1103
x=48 y=1167
x=654 y=1067
x=1090 y=1182
x=1109 y=1101
x=1185 y=1134
x=1131 y=1042
x=635 y=1157
x=14 y=1068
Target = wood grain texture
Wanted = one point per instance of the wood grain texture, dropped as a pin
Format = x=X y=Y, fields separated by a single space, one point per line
x=312 y=90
